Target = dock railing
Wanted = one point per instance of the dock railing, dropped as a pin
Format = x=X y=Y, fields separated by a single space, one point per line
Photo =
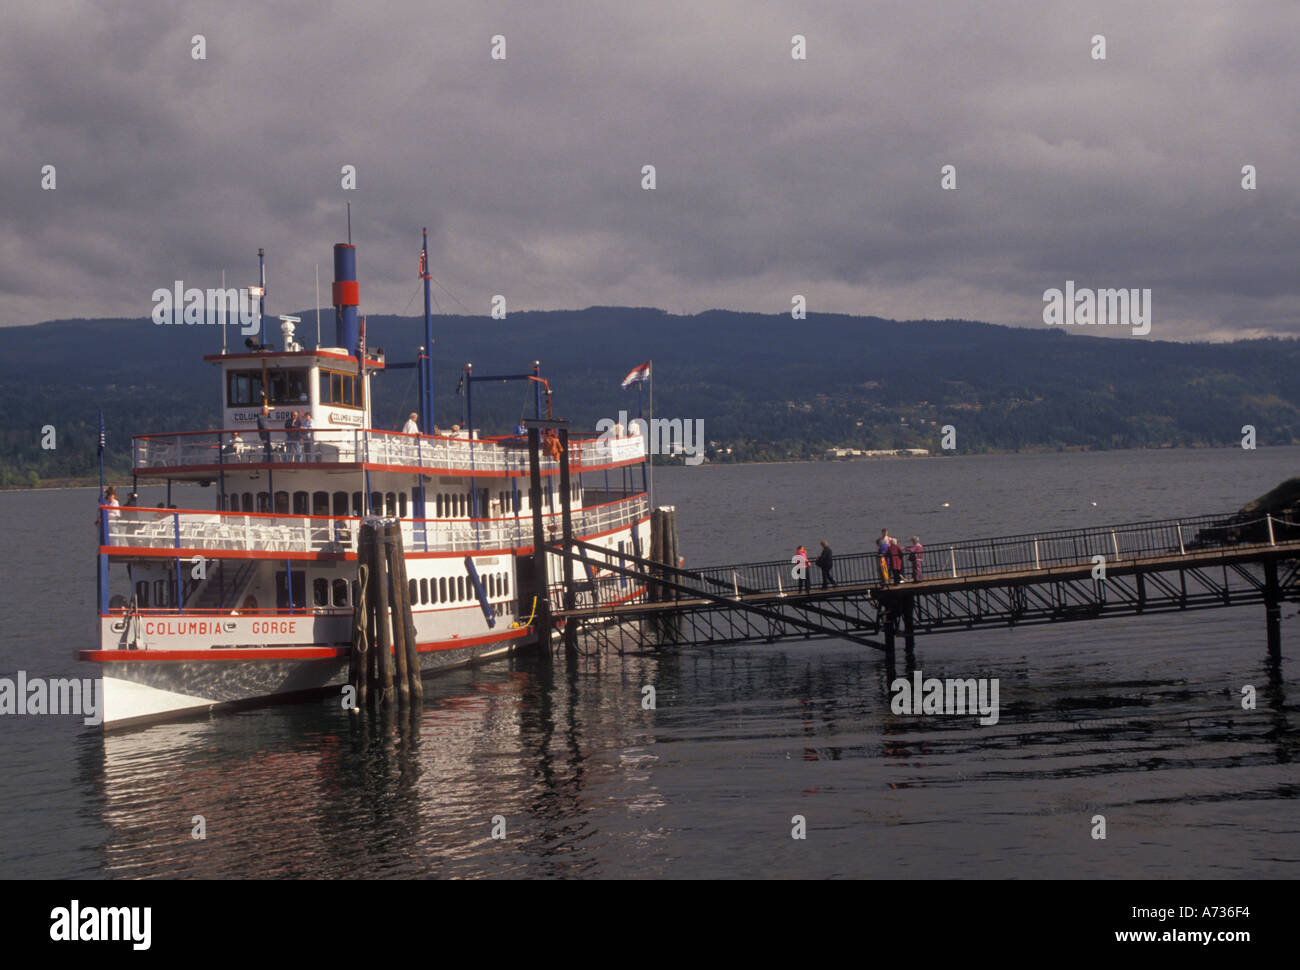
x=1014 y=553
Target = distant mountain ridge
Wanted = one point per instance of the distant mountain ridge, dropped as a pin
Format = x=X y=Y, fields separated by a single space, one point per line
x=766 y=386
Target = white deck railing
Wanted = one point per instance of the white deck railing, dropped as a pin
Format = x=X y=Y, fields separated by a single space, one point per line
x=333 y=446
x=259 y=532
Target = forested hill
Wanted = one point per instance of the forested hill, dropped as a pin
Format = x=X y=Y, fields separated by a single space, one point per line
x=766 y=386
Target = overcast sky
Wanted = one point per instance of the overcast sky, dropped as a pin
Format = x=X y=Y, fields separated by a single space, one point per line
x=775 y=176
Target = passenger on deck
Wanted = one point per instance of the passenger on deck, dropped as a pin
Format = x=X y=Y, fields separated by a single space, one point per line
x=411 y=426
x=111 y=513
x=308 y=438
x=293 y=436
x=262 y=431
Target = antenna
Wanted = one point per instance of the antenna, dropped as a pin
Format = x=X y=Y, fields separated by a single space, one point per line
x=318 y=305
x=349 y=223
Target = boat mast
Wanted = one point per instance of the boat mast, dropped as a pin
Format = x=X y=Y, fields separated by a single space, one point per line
x=426 y=359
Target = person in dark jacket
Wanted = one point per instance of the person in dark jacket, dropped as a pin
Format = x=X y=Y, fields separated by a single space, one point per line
x=915 y=553
x=262 y=431
x=293 y=436
x=824 y=561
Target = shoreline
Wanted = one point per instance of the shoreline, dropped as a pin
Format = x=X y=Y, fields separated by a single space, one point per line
x=93 y=482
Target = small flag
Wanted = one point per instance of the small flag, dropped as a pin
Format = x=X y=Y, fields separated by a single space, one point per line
x=641 y=373
x=424 y=263
x=361 y=349
x=101 y=432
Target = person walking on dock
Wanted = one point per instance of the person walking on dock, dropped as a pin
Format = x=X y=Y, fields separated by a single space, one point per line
x=801 y=570
x=896 y=559
x=824 y=561
x=883 y=546
x=915 y=553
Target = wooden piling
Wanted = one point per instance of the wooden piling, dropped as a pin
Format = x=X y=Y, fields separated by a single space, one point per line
x=673 y=556
x=383 y=630
x=408 y=622
x=397 y=599
x=656 y=551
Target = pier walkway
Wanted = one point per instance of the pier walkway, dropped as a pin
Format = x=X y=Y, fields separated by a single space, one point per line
x=1193 y=563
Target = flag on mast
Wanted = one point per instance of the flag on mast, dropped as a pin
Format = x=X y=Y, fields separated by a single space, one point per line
x=637 y=374
x=101 y=433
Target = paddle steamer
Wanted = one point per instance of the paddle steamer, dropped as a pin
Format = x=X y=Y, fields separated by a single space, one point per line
x=251 y=601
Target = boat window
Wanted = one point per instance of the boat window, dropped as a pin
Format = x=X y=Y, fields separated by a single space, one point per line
x=297 y=387
x=390 y=504
x=243 y=388
x=340 y=503
x=340 y=592
x=401 y=505
x=413 y=592
x=282 y=503
x=358 y=509
x=299 y=580
x=505 y=590
x=320 y=503
x=376 y=503
x=142 y=594
x=442 y=589
x=342 y=389
x=263 y=502
x=299 y=503
x=424 y=591
x=320 y=591
x=460 y=587
x=159 y=593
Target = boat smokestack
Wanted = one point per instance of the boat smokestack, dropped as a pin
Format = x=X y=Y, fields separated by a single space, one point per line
x=346 y=292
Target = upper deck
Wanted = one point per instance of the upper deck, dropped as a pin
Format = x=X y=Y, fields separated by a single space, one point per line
x=205 y=454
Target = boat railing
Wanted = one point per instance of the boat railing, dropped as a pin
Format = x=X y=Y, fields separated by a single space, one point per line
x=370 y=446
x=190 y=529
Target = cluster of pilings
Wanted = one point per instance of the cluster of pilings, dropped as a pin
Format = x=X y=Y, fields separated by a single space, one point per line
x=663 y=549
x=385 y=664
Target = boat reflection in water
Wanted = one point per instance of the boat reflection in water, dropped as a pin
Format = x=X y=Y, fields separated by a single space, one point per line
x=310 y=791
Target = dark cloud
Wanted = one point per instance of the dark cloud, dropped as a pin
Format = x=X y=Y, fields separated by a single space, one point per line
x=775 y=176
